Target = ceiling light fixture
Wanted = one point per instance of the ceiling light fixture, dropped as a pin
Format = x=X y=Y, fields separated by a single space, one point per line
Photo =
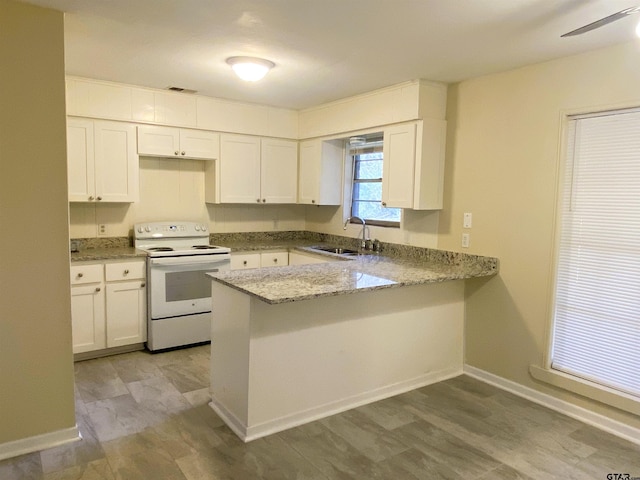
x=250 y=69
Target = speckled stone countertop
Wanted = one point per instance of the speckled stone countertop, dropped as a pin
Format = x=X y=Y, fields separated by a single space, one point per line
x=347 y=275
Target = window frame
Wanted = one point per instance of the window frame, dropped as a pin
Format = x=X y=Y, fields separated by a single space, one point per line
x=544 y=372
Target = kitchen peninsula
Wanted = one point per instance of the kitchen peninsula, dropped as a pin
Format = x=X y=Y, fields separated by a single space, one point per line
x=296 y=343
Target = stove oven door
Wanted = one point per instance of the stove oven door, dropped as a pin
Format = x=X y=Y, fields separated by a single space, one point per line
x=178 y=285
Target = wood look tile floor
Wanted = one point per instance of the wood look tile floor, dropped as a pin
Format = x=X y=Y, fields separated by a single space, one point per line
x=146 y=416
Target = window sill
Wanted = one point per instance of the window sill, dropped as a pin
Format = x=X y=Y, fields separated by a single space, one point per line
x=588 y=389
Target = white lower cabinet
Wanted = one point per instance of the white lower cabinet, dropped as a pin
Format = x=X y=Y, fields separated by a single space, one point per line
x=241 y=261
x=87 y=317
x=108 y=305
x=126 y=313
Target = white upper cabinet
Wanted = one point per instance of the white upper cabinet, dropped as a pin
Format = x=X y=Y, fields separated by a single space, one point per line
x=102 y=161
x=177 y=142
x=253 y=170
x=278 y=171
x=399 y=153
x=413 y=166
x=320 y=172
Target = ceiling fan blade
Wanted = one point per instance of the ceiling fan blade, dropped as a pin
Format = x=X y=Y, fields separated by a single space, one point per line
x=603 y=21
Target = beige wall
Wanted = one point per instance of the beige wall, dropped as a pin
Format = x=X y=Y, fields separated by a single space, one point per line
x=173 y=189
x=36 y=365
x=502 y=165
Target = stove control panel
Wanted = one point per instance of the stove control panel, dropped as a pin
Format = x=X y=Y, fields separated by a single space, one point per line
x=170 y=229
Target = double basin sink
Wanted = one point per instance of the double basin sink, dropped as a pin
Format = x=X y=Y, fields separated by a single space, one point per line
x=337 y=250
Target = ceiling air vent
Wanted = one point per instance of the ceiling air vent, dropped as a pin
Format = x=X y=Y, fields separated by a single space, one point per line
x=181 y=90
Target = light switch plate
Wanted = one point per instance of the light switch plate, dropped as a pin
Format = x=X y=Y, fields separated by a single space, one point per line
x=467 y=220
x=466 y=239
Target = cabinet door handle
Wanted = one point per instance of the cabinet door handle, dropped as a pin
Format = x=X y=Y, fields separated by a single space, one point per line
x=80 y=275
x=384 y=204
x=97 y=289
x=264 y=200
x=126 y=272
x=176 y=152
x=258 y=200
x=142 y=285
x=91 y=198
x=313 y=201
x=99 y=198
x=182 y=153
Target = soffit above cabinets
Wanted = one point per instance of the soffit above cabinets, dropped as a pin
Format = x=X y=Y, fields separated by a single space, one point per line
x=324 y=50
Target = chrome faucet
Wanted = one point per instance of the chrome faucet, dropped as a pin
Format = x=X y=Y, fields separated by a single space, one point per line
x=364 y=228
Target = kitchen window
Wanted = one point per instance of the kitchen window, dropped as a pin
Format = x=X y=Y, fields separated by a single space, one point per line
x=366 y=193
x=596 y=318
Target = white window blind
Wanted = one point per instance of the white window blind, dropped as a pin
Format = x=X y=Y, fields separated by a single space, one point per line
x=597 y=309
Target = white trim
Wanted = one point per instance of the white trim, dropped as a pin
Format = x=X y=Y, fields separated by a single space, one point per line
x=579 y=413
x=615 y=398
x=295 y=419
x=39 y=442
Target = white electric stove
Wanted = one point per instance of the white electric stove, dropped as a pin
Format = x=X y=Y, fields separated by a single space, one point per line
x=179 y=292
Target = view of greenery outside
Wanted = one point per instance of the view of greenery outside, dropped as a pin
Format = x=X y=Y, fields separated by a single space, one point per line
x=367 y=191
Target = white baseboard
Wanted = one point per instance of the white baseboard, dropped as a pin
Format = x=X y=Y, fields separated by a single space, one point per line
x=249 y=433
x=39 y=442
x=579 y=413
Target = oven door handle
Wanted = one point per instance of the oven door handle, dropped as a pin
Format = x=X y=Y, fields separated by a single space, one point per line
x=181 y=261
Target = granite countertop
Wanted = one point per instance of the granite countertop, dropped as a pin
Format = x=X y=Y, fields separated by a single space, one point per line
x=107 y=253
x=346 y=275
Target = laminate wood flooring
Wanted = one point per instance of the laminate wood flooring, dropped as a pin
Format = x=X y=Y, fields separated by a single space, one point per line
x=145 y=416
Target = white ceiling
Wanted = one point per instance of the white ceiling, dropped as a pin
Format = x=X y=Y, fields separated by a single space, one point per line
x=323 y=49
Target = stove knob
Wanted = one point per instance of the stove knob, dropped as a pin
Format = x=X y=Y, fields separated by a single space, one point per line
x=140 y=229
x=147 y=229
x=204 y=228
x=197 y=227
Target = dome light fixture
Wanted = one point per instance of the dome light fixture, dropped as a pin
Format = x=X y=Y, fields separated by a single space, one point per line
x=250 y=69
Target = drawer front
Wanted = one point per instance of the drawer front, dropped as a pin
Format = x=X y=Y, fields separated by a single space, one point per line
x=274 y=259
x=81 y=274
x=247 y=260
x=125 y=271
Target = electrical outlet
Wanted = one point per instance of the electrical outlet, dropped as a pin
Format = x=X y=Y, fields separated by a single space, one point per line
x=467 y=220
x=102 y=230
x=466 y=239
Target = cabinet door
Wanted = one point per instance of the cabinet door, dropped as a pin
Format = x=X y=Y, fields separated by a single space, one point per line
x=320 y=175
x=279 y=171
x=80 y=160
x=87 y=318
x=239 y=169
x=245 y=260
x=399 y=152
x=116 y=162
x=126 y=313
x=274 y=259
x=158 y=141
x=309 y=173
x=199 y=144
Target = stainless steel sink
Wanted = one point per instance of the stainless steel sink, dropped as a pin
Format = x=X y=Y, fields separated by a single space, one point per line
x=337 y=250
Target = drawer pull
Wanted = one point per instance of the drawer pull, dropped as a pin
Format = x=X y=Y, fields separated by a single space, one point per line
x=97 y=289
x=275 y=260
x=244 y=262
x=80 y=275
x=142 y=285
x=126 y=272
